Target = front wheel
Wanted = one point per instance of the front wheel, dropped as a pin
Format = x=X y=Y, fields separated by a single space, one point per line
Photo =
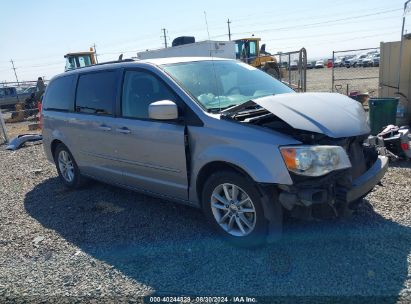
x=232 y=204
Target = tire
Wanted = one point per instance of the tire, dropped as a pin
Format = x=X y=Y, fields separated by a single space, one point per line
x=72 y=180
x=252 y=234
x=272 y=69
x=273 y=72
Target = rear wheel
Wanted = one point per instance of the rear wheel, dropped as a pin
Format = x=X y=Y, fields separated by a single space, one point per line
x=67 y=167
x=232 y=204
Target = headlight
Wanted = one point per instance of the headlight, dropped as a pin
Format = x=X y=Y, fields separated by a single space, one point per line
x=315 y=160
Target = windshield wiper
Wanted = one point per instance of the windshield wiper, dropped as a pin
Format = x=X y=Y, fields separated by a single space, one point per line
x=217 y=110
x=250 y=104
x=233 y=109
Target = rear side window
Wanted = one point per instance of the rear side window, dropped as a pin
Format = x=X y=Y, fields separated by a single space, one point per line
x=96 y=93
x=60 y=94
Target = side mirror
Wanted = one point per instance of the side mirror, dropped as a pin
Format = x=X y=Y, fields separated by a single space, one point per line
x=163 y=110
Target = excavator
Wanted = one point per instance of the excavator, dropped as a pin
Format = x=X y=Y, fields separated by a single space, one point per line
x=80 y=59
x=248 y=50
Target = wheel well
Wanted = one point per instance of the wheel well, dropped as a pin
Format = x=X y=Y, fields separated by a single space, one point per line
x=212 y=167
x=54 y=145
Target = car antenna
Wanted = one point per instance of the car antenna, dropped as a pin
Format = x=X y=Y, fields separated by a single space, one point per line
x=212 y=59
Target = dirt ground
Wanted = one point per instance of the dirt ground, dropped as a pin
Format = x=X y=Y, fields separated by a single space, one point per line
x=320 y=80
x=14 y=129
x=18 y=128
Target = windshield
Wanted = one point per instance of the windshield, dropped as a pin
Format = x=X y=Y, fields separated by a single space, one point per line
x=224 y=83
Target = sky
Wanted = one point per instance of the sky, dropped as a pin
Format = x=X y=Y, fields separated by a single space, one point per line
x=37 y=34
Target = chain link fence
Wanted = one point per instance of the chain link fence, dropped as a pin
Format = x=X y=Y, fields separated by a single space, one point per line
x=293 y=69
x=356 y=71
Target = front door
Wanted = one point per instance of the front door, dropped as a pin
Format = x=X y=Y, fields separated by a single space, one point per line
x=152 y=153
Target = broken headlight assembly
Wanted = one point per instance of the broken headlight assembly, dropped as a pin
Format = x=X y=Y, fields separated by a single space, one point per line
x=314 y=160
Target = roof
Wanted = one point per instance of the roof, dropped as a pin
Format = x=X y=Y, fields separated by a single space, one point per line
x=252 y=38
x=172 y=60
x=79 y=53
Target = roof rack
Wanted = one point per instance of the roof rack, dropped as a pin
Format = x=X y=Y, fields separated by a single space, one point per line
x=115 y=61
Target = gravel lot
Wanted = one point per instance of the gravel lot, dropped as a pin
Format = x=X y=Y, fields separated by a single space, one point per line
x=103 y=242
x=320 y=80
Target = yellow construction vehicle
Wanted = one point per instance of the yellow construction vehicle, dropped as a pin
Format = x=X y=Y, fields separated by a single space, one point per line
x=80 y=59
x=248 y=50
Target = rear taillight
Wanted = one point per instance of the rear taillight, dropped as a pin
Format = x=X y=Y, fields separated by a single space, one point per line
x=406 y=146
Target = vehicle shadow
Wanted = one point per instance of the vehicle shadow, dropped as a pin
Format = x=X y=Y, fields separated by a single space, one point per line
x=170 y=247
x=406 y=164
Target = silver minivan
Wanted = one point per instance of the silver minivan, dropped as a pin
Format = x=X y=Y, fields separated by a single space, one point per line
x=216 y=134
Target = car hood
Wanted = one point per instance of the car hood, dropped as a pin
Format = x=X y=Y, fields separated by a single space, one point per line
x=332 y=114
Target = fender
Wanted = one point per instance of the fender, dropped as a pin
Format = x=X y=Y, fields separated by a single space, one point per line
x=271 y=172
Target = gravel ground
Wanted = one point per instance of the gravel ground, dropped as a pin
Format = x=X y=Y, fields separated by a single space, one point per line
x=107 y=243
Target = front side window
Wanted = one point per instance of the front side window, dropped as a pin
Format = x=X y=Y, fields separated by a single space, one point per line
x=221 y=84
x=140 y=89
x=59 y=95
x=96 y=93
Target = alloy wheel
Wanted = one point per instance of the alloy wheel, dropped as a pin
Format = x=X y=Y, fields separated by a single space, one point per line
x=66 y=166
x=233 y=209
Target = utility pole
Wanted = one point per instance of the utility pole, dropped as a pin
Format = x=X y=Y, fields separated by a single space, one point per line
x=229 y=29
x=165 y=37
x=12 y=63
x=406 y=12
x=95 y=52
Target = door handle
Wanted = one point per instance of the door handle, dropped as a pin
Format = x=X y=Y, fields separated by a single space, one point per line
x=123 y=130
x=104 y=128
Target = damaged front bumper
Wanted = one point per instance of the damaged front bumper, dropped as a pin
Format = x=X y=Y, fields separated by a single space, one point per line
x=335 y=192
x=366 y=182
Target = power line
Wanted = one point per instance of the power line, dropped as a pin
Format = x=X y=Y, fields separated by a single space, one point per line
x=284 y=17
x=123 y=51
x=319 y=23
x=333 y=34
x=43 y=65
x=248 y=24
x=293 y=11
x=327 y=42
